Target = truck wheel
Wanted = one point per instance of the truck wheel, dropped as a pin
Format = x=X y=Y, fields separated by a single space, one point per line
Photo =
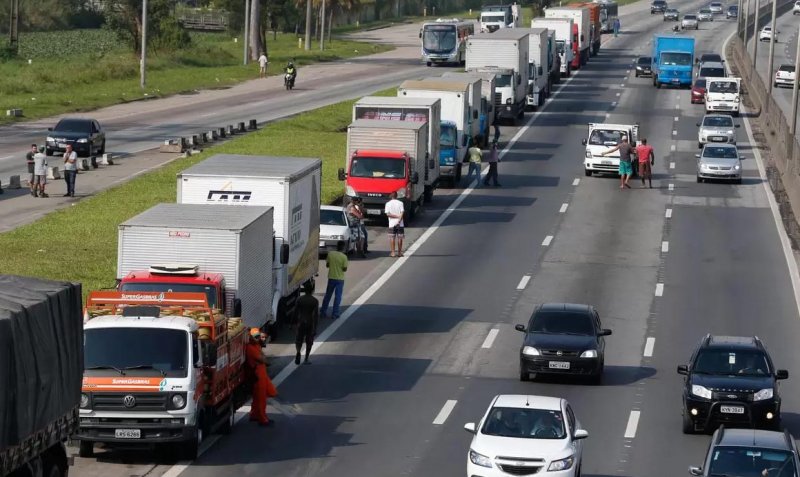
x=230 y=420
x=428 y=195
x=86 y=449
x=428 y=63
x=587 y=172
x=189 y=450
x=457 y=176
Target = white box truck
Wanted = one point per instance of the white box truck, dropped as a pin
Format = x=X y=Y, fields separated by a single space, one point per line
x=396 y=108
x=506 y=52
x=169 y=244
x=486 y=112
x=554 y=61
x=473 y=85
x=292 y=187
x=538 y=73
x=581 y=17
x=722 y=95
x=496 y=17
x=564 y=40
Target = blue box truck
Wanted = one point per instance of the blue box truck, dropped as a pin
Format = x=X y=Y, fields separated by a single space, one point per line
x=673 y=57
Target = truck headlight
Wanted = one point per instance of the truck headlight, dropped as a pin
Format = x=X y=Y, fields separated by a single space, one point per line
x=530 y=351
x=701 y=391
x=763 y=394
x=588 y=154
x=561 y=464
x=479 y=459
x=401 y=193
x=85 y=401
x=177 y=401
x=349 y=191
x=589 y=353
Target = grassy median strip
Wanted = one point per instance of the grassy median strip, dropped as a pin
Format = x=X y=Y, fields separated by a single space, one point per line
x=79 y=243
x=90 y=70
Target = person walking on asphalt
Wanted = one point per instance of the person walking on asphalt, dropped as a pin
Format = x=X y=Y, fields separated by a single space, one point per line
x=262 y=385
x=394 y=210
x=39 y=174
x=70 y=170
x=336 y=261
x=307 y=316
x=496 y=132
x=647 y=158
x=29 y=159
x=262 y=65
x=616 y=27
x=625 y=167
x=475 y=157
x=494 y=158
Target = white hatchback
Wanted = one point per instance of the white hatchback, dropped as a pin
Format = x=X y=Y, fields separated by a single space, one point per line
x=785 y=76
x=524 y=435
x=766 y=34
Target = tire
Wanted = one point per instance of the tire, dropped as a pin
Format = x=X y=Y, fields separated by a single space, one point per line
x=699 y=180
x=524 y=375
x=688 y=425
x=658 y=85
x=428 y=64
x=347 y=249
x=48 y=152
x=587 y=172
x=636 y=74
x=428 y=195
x=86 y=449
x=230 y=420
x=51 y=469
x=738 y=181
x=596 y=379
x=102 y=148
x=189 y=450
x=457 y=175
x=699 y=145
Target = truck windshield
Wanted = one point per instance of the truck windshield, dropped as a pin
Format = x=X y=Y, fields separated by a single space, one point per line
x=606 y=137
x=154 y=351
x=378 y=167
x=723 y=87
x=493 y=18
x=211 y=292
x=502 y=81
x=676 y=59
x=447 y=137
x=439 y=38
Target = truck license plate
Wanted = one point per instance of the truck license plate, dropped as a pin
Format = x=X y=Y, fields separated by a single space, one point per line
x=731 y=409
x=676 y=80
x=321 y=243
x=373 y=212
x=128 y=433
x=558 y=364
x=605 y=162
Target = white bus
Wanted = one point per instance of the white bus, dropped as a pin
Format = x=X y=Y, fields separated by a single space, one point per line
x=445 y=40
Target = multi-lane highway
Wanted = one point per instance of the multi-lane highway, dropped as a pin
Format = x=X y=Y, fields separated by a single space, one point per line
x=428 y=339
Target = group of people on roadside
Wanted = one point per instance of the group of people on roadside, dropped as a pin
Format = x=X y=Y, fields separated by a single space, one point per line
x=37 y=168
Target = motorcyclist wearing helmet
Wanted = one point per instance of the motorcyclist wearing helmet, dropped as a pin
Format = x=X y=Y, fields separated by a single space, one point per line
x=291 y=70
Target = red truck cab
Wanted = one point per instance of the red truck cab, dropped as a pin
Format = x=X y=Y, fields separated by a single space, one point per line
x=576 y=52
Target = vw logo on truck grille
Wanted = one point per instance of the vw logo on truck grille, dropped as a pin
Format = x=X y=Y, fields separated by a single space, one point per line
x=129 y=401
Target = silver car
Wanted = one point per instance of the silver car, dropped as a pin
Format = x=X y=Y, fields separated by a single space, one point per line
x=716 y=128
x=719 y=161
x=690 y=22
x=715 y=7
x=705 y=15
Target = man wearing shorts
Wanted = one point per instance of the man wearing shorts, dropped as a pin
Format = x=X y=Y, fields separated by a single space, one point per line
x=29 y=159
x=394 y=211
x=39 y=174
x=625 y=167
x=647 y=158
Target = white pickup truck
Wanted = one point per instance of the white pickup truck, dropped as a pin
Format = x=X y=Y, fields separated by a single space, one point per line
x=601 y=138
x=722 y=95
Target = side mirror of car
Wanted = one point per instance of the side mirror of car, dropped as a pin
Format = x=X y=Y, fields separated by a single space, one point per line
x=697 y=156
x=683 y=369
x=583 y=141
x=342 y=174
x=420 y=33
x=605 y=332
x=237 y=307
x=695 y=470
x=737 y=125
x=782 y=374
x=580 y=434
x=520 y=328
x=698 y=124
x=49 y=129
x=470 y=427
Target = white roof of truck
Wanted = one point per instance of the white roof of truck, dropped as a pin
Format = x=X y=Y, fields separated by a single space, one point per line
x=197 y=216
x=396 y=101
x=501 y=34
x=268 y=167
x=381 y=124
x=163 y=322
x=432 y=85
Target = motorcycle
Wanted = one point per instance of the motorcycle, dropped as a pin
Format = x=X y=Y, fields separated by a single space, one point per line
x=288 y=80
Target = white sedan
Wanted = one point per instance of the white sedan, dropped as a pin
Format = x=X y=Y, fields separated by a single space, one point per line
x=524 y=435
x=334 y=225
x=766 y=34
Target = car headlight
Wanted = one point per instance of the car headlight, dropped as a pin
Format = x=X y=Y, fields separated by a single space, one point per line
x=349 y=191
x=84 y=401
x=737 y=167
x=479 y=459
x=530 y=351
x=401 y=193
x=588 y=154
x=561 y=464
x=763 y=394
x=50 y=139
x=703 y=167
x=589 y=353
x=337 y=237
x=178 y=401
x=82 y=140
x=729 y=131
x=701 y=391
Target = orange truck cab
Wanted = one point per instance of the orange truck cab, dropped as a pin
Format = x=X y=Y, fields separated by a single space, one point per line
x=159 y=368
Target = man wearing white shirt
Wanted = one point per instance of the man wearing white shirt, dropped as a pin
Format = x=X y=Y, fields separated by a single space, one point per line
x=262 y=64
x=70 y=170
x=394 y=211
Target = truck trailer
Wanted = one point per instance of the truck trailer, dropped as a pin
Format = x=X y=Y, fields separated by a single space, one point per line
x=487 y=110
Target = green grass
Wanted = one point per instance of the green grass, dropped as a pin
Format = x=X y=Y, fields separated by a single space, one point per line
x=79 y=243
x=86 y=81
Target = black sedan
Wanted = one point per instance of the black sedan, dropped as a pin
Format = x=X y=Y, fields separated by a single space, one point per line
x=563 y=338
x=643 y=66
x=85 y=135
x=671 y=14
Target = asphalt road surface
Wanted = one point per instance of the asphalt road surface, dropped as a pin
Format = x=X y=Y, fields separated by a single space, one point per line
x=664 y=266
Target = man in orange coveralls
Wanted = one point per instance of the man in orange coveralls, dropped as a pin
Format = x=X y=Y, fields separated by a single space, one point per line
x=262 y=385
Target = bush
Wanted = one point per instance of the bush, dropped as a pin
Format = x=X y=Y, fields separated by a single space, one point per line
x=66 y=43
x=170 y=35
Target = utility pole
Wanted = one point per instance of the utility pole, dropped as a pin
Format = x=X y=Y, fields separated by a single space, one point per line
x=308 y=25
x=746 y=19
x=739 y=20
x=772 y=48
x=13 y=30
x=246 y=38
x=794 y=88
x=143 y=66
x=756 y=39
x=322 y=26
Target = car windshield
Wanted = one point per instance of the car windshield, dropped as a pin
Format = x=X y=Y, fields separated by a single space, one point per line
x=606 y=137
x=690 y=17
x=676 y=59
x=733 y=8
x=524 y=423
x=751 y=462
x=786 y=68
x=767 y=29
x=210 y=291
x=718 y=122
x=658 y=3
x=731 y=362
x=562 y=322
x=447 y=136
x=378 y=167
x=712 y=57
x=705 y=10
x=672 y=10
x=644 y=60
x=74 y=125
x=701 y=83
x=331 y=217
x=707 y=72
x=720 y=152
x=493 y=18
x=160 y=349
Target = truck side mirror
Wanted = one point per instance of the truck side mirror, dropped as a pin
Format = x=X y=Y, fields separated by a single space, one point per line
x=583 y=141
x=431 y=164
x=284 y=253
x=519 y=79
x=342 y=175
x=474 y=115
x=237 y=307
x=414 y=177
x=539 y=71
x=210 y=355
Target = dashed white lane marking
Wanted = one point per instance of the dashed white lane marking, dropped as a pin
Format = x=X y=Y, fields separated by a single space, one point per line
x=664 y=246
x=622 y=84
x=677 y=106
x=613 y=103
x=445 y=412
x=659 y=289
x=672 y=187
x=668 y=213
x=676 y=118
x=633 y=423
x=487 y=343
x=648 y=347
x=608 y=115
x=523 y=282
x=674 y=132
x=576 y=182
x=672 y=148
x=547 y=240
x=617 y=94
x=672 y=165
x=563 y=208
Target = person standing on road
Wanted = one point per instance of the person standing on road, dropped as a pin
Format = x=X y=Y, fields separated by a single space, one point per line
x=70 y=170
x=356 y=213
x=29 y=159
x=395 y=210
x=262 y=385
x=496 y=131
x=475 y=157
x=616 y=26
x=625 y=167
x=647 y=158
x=39 y=174
x=336 y=261
x=307 y=318
x=262 y=65
x=494 y=158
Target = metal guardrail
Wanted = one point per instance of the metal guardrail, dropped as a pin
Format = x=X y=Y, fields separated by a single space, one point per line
x=204 y=21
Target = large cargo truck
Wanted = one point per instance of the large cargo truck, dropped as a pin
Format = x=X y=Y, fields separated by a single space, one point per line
x=41 y=365
x=595 y=26
x=609 y=11
x=673 y=57
x=473 y=89
x=553 y=59
x=486 y=112
x=496 y=17
x=581 y=29
x=538 y=74
x=566 y=35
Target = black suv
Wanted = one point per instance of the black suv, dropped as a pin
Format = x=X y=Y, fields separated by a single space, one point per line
x=750 y=453
x=84 y=135
x=730 y=380
x=658 y=6
x=644 y=66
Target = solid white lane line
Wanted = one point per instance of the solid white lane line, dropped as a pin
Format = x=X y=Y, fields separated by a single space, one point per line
x=633 y=423
x=648 y=346
x=672 y=187
x=576 y=182
x=445 y=412
x=487 y=343
x=672 y=165
x=547 y=240
x=659 y=289
x=672 y=148
x=668 y=213
x=617 y=94
x=664 y=246
x=5 y=157
x=523 y=282
x=563 y=208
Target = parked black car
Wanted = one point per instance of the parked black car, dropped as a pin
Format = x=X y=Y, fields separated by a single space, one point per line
x=658 y=6
x=750 y=452
x=563 y=338
x=85 y=135
x=644 y=66
x=671 y=14
x=731 y=380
